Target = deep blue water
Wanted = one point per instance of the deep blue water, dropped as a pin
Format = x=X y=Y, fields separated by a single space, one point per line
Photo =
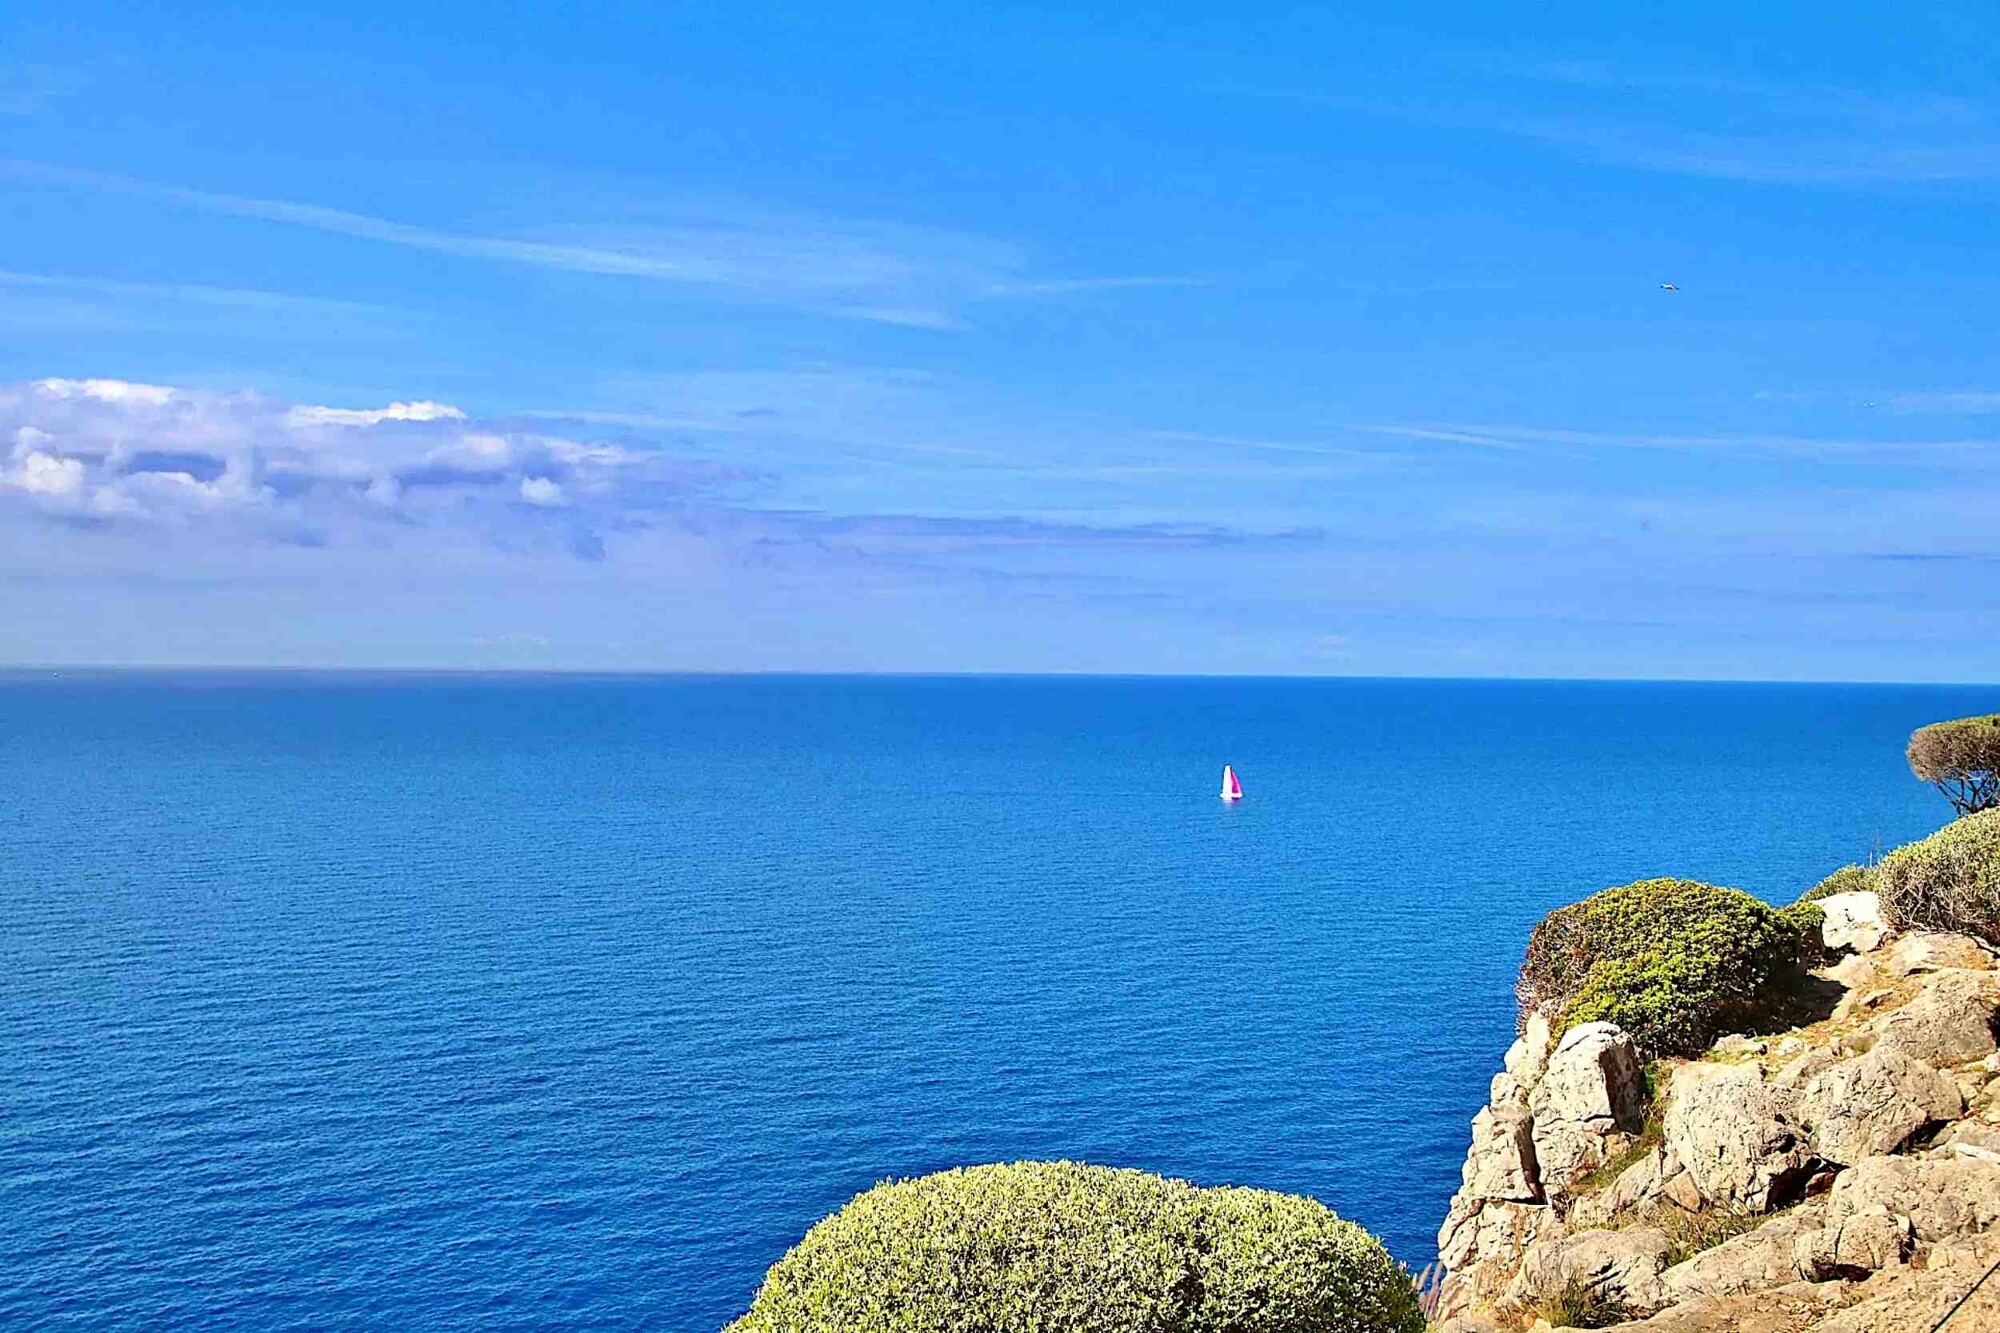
x=564 y=1003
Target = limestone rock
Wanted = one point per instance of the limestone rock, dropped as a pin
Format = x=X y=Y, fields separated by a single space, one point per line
x=1624 y=1265
x=1873 y=1104
x=1787 y=1309
x=1501 y=1163
x=1852 y=971
x=1481 y=1246
x=1950 y=1022
x=1857 y=1246
x=1853 y=921
x=1916 y=1302
x=1970 y=1138
x=1635 y=1187
x=1749 y=1262
x=1933 y=951
x=1739 y=1137
x=1591 y=1091
x=1940 y=1198
x=1471 y=1323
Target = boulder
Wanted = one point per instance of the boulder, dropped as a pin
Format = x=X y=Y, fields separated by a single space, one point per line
x=1950 y=1022
x=1859 y=1245
x=1940 y=1198
x=1592 y=1090
x=1933 y=951
x=1501 y=1162
x=1853 y=921
x=1481 y=1247
x=1628 y=1194
x=1739 y=1137
x=1970 y=1138
x=1953 y=1294
x=1874 y=1104
x=1749 y=1262
x=1480 y=1231
x=1623 y=1265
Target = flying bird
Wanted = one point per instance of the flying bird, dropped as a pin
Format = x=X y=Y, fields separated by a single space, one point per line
x=1668 y=287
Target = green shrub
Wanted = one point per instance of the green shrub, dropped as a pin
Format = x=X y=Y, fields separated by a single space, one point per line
x=1949 y=881
x=1059 y=1247
x=1847 y=879
x=1960 y=758
x=1673 y=962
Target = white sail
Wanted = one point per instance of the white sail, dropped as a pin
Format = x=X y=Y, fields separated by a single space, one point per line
x=1232 y=790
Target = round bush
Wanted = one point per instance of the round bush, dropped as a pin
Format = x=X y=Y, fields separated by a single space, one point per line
x=1059 y=1247
x=1673 y=962
x=1949 y=881
x=1847 y=879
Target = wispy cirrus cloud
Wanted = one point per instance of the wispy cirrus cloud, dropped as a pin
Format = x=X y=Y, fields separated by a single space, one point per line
x=914 y=277
x=61 y=300
x=1543 y=439
x=1953 y=402
x=1692 y=122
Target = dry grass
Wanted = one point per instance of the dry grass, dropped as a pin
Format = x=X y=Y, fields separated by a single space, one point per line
x=1580 y=1306
x=1688 y=1234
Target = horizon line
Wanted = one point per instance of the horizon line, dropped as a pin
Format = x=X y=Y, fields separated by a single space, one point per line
x=8 y=670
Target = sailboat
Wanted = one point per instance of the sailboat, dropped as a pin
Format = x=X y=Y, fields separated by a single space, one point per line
x=1232 y=790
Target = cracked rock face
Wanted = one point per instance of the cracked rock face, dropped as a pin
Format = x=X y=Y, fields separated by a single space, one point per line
x=1873 y=1104
x=1842 y=1178
x=1592 y=1091
x=1949 y=1022
x=1740 y=1137
x=1624 y=1265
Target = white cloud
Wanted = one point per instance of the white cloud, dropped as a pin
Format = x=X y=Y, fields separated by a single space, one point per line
x=118 y=452
x=45 y=474
x=107 y=391
x=541 y=491
x=422 y=410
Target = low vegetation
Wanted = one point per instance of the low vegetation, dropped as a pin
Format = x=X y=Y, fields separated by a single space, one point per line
x=1579 y=1305
x=1058 y=1247
x=1689 y=1234
x=1961 y=758
x=1673 y=962
x=1948 y=881
x=1847 y=879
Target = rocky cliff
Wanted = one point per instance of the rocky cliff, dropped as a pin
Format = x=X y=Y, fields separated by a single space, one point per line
x=1842 y=1177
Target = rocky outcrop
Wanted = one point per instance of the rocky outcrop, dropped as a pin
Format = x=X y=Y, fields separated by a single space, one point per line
x=1840 y=1178
x=1739 y=1135
x=1586 y=1104
x=1873 y=1104
x=1852 y=921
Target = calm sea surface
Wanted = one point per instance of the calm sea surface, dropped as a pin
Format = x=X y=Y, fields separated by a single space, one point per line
x=568 y=1003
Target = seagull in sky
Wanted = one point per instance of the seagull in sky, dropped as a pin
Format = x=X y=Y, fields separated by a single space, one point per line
x=1668 y=287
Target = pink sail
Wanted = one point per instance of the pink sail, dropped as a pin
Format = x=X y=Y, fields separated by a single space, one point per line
x=1232 y=790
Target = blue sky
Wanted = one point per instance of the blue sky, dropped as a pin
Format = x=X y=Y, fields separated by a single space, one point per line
x=1036 y=338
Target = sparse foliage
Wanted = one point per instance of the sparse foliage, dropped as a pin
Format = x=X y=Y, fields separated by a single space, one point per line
x=1949 y=881
x=1960 y=758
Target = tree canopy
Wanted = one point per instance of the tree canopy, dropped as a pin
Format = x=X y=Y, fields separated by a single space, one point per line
x=1961 y=758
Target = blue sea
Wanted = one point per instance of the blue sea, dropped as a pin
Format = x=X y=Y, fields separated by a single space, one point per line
x=434 y=1002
